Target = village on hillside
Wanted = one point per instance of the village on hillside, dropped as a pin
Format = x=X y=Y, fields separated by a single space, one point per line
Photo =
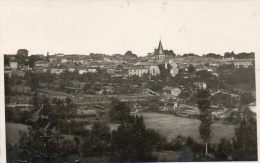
x=71 y=94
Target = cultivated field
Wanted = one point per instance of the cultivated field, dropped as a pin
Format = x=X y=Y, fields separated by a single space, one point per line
x=172 y=126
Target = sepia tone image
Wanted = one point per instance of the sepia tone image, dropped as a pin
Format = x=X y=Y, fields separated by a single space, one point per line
x=127 y=81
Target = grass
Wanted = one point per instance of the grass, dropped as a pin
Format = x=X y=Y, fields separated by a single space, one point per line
x=171 y=126
x=12 y=132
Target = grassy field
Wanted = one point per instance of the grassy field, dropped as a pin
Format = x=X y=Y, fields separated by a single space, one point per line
x=168 y=125
x=172 y=126
x=12 y=132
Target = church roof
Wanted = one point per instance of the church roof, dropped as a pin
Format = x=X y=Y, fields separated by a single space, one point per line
x=160 y=48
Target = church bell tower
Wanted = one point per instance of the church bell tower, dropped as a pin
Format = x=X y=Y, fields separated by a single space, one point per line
x=160 y=53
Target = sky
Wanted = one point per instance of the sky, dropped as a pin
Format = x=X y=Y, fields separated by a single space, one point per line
x=116 y=26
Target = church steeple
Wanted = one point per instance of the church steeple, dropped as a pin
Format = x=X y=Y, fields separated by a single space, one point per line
x=160 y=48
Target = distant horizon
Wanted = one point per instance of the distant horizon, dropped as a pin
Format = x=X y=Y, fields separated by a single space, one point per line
x=55 y=53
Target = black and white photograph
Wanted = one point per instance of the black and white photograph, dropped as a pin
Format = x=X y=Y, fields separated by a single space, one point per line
x=129 y=81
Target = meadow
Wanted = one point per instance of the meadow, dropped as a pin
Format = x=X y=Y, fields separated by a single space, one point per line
x=171 y=126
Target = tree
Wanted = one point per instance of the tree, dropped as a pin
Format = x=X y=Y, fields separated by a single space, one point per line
x=169 y=53
x=213 y=55
x=43 y=145
x=165 y=72
x=191 y=69
x=35 y=101
x=246 y=98
x=229 y=55
x=153 y=106
x=245 y=141
x=224 y=150
x=22 y=56
x=205 y=117
x=133 y=142
x=130 y=54
x=33 y=59
x=97 y=142
x=190 y=55
x=245 y=55
x=22 y=52
x=119 y=112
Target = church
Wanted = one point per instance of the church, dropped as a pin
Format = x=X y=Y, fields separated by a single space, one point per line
x=154 y=64
x=158 y=53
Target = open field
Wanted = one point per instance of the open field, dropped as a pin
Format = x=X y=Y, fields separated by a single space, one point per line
x=172 y=126
x=12 y=132
x=168 y=125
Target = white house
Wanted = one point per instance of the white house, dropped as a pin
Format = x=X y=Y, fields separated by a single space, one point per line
x=200 y=85
x=137 y=70
x=173 y=91
x=64 y=60
x=86 y=70
x=13 y=65
x=42 y=64
x=154 y=70
x=245 y=63
x=56 y=71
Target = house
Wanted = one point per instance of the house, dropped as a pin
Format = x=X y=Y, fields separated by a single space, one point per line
x=86 y=70
x=40 y=69
x=83 y=71
x=13 y=65
x=200 y=85
x=155 y=67
x=71 y=67
x=44 y=64
x=200 y=67
x=107 y=90
x=92 y=70
x=64 y=60
x=173 y=68
x=173 y=91
x=111 y=71
x=245 y=63
x=214 y=64
x=137 y=70
x=154 y=70
x=81 y=61
x=52 y=59
x=145 y=91
x=56 y=71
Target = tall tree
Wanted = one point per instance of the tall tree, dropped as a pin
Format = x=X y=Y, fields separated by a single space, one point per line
x=245 y=141
x=205 y=117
